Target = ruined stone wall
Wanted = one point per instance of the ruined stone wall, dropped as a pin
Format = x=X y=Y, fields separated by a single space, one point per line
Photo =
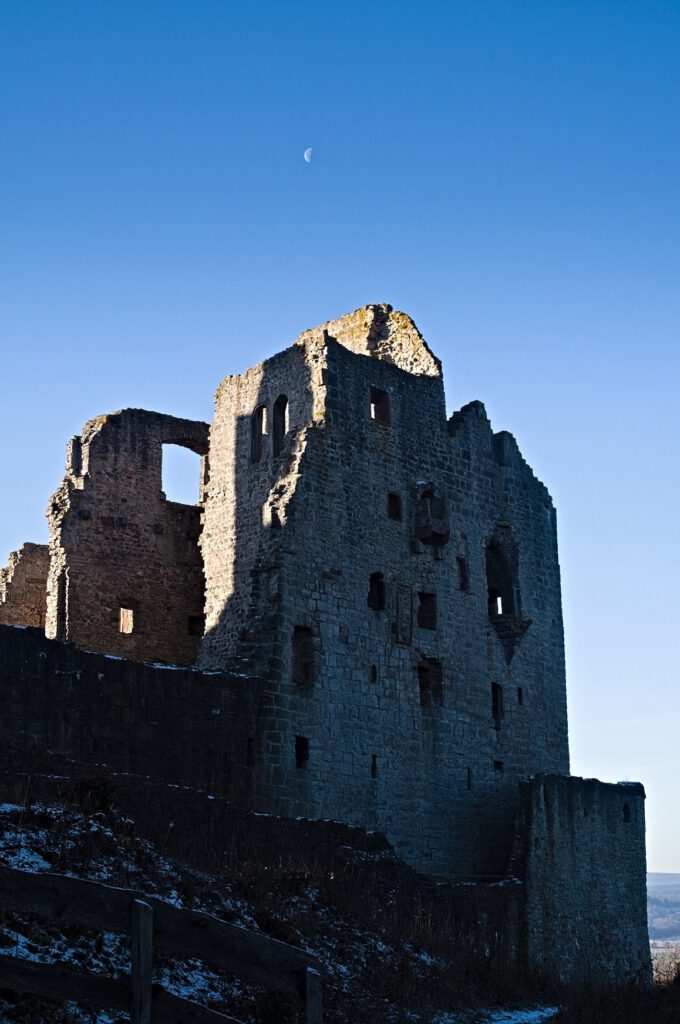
x=176 y=725
x=381 y=332
x=581 y=855
x=125 y=573
x=377 y=718
x=245 y=517
x=23 y=585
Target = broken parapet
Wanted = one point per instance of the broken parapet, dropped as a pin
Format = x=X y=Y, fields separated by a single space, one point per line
x=23 y=585
x=381 y=332
x=581 y=853
x=126 y=575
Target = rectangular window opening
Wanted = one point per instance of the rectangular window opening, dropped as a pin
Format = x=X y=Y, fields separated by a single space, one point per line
x=497 y=703
x=499 y=766
x=374 y=766
x=463 y=573
x=301 y=751
x=181 y=470
x=126 y=620
x=303 y=657
x=469 y=779
x=520 y=695
x=376 y=592
x=394 y=505
x=380 y=406
x=427 y=610
x=431 y=683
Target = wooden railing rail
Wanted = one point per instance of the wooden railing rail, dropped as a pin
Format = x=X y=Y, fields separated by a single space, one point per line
x=151 y=923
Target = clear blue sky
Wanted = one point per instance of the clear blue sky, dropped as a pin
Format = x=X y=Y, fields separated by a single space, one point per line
x=506 y=172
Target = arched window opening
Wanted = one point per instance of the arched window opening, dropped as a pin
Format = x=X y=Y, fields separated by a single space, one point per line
x=503 y=595
x=501 y=576
x=258 y=430
x=279 y=424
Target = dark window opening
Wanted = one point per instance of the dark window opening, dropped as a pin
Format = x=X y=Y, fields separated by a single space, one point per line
x=499 y=766
x=393 y=505
x=258 y=430
x=626 y=813
x=275 y=521
x=126 y=620
x=431 y=683
x=301 y=751
x=374 y=766
x=376 y=591
x=196 y=625
x=469 y=779
x=374 y=673
x=520 y=695
x=427 y=610
x=380 y=406
x=497 y=703
x=463 y=573
x=250 y=752
x=303 y=657
x=502 y=574
x=279 y=424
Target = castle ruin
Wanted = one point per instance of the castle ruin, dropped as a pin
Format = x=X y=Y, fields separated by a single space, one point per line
x=369 y=595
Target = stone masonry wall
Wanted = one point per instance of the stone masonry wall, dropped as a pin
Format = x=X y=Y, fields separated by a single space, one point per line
x=360 y=737
x=176 y=725
x=581 y=854
x=23 y=585
x=126 y=575
x=383 y=333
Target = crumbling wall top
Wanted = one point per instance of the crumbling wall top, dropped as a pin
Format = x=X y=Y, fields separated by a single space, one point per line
x=381 y=332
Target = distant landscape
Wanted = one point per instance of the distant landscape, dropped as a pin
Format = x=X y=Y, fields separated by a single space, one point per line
x=663 y=906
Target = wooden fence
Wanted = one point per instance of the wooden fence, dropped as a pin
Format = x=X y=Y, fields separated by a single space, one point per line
x=151 y=923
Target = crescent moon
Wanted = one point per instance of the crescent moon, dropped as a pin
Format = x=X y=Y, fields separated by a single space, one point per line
x=308 y=155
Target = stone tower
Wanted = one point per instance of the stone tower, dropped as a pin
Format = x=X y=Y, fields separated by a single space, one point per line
x=393 y=575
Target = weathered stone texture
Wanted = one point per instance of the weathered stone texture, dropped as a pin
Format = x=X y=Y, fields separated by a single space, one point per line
x=440 y=780
x=125 y=571
x=23 y=586
x=581 y=854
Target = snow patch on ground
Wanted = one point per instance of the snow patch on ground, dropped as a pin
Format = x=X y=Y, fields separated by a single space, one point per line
x=538 y=1015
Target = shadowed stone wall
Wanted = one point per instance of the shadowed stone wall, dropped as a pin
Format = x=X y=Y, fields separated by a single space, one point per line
x=177 y=725
x=581 y=854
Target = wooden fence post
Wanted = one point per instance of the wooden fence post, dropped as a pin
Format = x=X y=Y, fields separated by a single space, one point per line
x=142 y=949
x=313 y=997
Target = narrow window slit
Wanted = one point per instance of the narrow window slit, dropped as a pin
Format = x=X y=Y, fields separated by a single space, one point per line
x=393 y=505
x=303 y=657
x=301 y=751
x=376 y=592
